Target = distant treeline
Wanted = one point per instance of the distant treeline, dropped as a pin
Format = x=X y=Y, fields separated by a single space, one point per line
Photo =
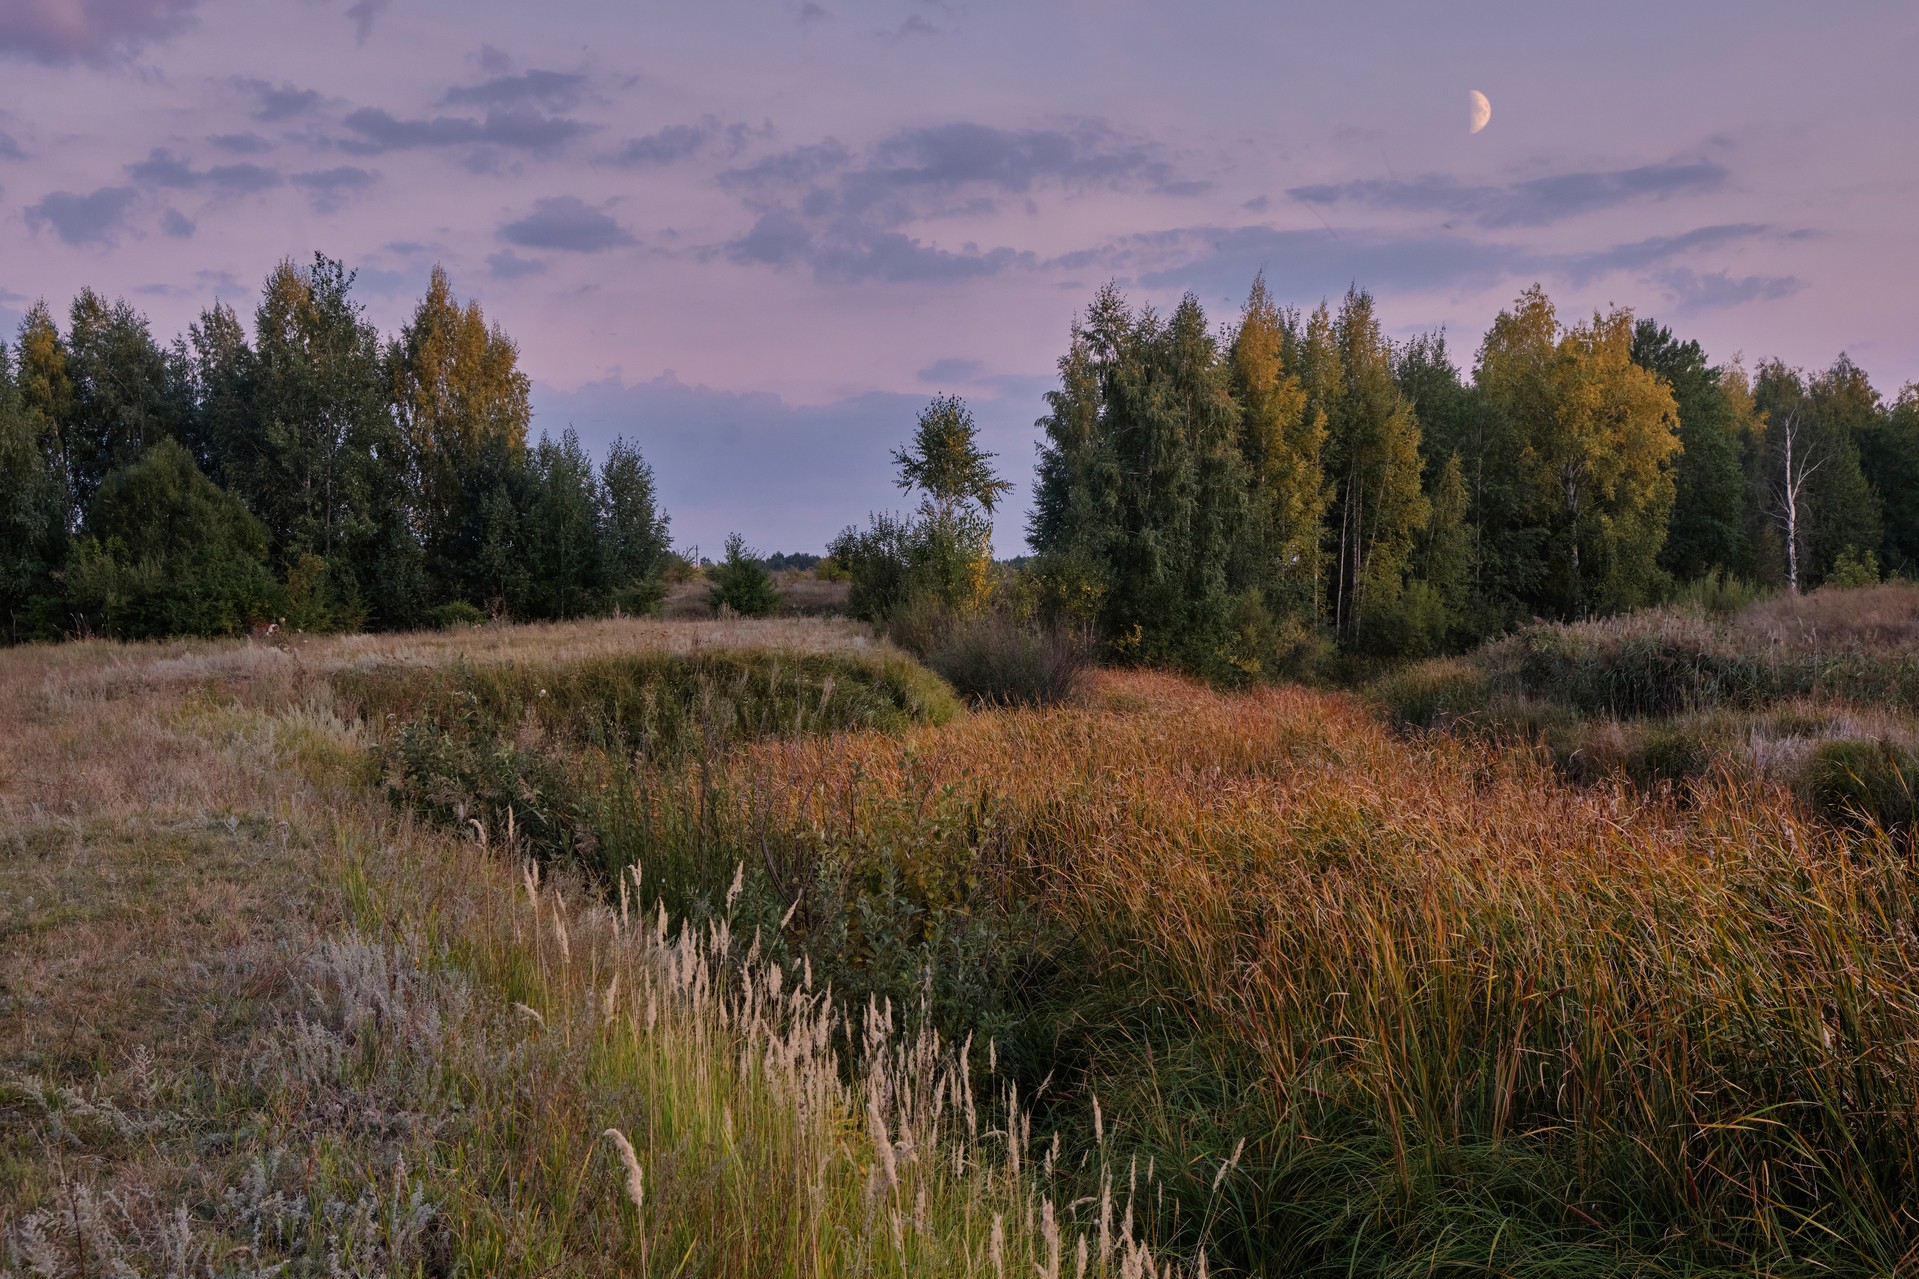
x=1216 y=499
x=311 y=472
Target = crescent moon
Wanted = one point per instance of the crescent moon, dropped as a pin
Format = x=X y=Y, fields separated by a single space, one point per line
x=1478 y=111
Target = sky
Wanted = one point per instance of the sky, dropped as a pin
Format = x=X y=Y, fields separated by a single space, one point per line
x=755 y=236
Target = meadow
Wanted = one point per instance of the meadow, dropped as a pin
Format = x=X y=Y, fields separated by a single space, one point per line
x=742 y=948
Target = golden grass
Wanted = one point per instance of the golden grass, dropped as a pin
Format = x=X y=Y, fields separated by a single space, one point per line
x=1703 y=1019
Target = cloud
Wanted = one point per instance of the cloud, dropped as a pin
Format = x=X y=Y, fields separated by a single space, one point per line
x=665 y=146
x=1304 y=265
x=177 y=224
x=362 y=15
x=508 y=265
x=554 y=90
x=915 y=25
x=843 y=215
x=793 y=167
x=855 y=254
x=96 y=218
x=1535 y=202
x=162 y=168
x=241 y=143
x=1220 y=262
x=62 y=31
x=566 y=222
x=1639 y=255
x=520 y=128
x=1721 y=289
x=9 y=149
x=814 y=12
x=329 y=189
x=951 y=371
x=275 y=103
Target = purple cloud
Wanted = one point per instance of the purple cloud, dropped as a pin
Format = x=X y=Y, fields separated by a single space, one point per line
x=279 y=102
x=60 y=31
x=96 y=218
x=162 y=168
x=329 y=189
x=508 y=265
x=522 y=129
x=566 y=222
x=1535 y=202
x=554 y=90
x=665 y=146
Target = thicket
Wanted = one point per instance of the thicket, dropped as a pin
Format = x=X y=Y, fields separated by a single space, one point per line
x=383 y=484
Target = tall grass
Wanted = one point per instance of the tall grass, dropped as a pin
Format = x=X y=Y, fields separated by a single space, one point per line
x=1459 y=1014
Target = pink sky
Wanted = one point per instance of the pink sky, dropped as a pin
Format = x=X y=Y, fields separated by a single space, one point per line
x=754 y=235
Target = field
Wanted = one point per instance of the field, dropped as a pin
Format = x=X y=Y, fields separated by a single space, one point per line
x=740 y=948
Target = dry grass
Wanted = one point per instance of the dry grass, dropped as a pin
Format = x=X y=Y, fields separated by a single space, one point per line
x=1451 y=1002
x=253 y=1019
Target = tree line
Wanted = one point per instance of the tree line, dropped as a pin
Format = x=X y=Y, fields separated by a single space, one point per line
x=1219 y=499
x=309 y=471
x=1214 y=499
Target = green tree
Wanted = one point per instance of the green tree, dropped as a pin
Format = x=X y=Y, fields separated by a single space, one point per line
x=320 y=459
x=1889 y=456
x=635 y=533
x=1707 y=529
x=1283 y=446
x=563 y=531
x=457 y=393
x=223 y=369
x=45 y=389
x=168 y=552
x=127 y=393
x=33 y=517
x=1142 y=496
x=1443 y=561
x=741 y=583
x=1373 y=460
x=945 y=462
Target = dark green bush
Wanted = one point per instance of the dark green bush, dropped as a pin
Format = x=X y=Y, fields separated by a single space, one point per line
x=1433 y=694
x=459 y=613
x=741 y=584
x=1861 y=782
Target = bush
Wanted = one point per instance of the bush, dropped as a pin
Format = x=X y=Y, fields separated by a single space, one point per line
x=169 y=552
x=1433 y=694
x=1854 y=568
x=996 y=661
x=458 y=614
x=1864 y=783
x=741 y=583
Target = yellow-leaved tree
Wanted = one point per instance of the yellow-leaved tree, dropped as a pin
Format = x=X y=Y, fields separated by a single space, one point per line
x=1598 y=435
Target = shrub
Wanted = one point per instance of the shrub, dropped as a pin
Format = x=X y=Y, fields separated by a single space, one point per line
x=1854 y=568
x=459 y=613
x=1864 y=782
x=997 y=661
x=741 y=583
x=1433 y=694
